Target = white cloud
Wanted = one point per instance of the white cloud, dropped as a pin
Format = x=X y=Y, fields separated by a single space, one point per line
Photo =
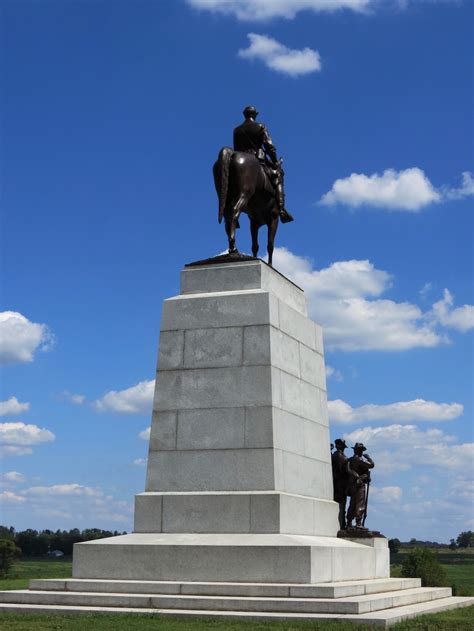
x=465 y=190
x=333 y=373
x=425 y=290
x=279 y=57
x=408 y=445
x=137 y=399
x=13 y=477
x=12 y=406
x=16 y=437
x=262 y=10
x=64 y=489
x=140 y=462
x=145 y=434
x=14 y=450
x=386 y=494
x=69 y=505
x=11 y=498
x=402 y=412
x=408 y=190
x=76 y=399
x=344 y=299
x=20 y=338
x=460 y=318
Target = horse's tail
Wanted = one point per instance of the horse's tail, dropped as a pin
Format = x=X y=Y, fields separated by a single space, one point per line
x=224 y=158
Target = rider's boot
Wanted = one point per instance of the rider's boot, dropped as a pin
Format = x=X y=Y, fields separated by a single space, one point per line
x=285 y=216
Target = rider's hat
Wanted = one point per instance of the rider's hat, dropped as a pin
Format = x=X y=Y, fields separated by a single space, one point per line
x=359 y=446
x=341 y=442
x=250 y=111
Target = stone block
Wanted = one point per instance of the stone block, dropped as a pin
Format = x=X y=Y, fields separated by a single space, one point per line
x=288 y=431
x=325 y=518
x=243 y=276
x=206 y=513
x=192 y=557
x=265 y=513
x=297 y=325
x=148 y=512
x=284 y=352
x=316 y=439
x=200 y=311
x=301 y=398
x=296 y=515
x=301 y=436
x=210 y=469
x=210 y=387
x=217 y=278
x=215 y=428
x=352 y=563
x=213 y=348
x=259 y=426
x=163 y=430
x=321 y=564
x=257 y=345
x=284 y=289
x=171 y=350
x=312 y=367
x=304 y=476
x=318 y=334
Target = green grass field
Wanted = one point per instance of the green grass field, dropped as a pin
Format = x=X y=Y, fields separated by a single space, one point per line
x=25 y=569
x=460 y=568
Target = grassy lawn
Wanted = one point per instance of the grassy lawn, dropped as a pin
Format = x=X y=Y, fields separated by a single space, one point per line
x=460 y=568
x=33 y=567
x=457 y=620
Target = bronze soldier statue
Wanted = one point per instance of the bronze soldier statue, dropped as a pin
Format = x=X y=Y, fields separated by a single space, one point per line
x=358 y=469
x=252 y=137
x=340 y=476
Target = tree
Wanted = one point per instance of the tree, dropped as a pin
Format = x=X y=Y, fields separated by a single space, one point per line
x=394 y=545
x=452 y=544
x=465 y=539
x=7 y=533
x=423 y=563
x=8 y=553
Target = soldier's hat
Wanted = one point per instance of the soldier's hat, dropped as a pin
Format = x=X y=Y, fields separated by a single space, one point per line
x=250 y=111
x=359 y=446
x=341 y=442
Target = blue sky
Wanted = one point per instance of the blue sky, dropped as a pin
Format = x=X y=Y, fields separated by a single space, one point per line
x=109 y=107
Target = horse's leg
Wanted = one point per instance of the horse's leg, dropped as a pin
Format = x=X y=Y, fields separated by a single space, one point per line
x=236 y=210
x=272 y=228
x=230 y=230
x=254 y=232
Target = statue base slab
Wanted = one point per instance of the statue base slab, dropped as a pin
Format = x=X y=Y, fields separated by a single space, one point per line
x=256 y=558
x=359 y=533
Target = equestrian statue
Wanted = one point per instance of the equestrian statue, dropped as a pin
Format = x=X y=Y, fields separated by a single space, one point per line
x=249 y=178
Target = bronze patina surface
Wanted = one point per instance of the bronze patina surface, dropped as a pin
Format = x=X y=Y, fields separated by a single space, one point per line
x=249 y=179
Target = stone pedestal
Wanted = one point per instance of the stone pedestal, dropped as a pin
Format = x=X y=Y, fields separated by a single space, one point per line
x=237 y=520
x=239 y=481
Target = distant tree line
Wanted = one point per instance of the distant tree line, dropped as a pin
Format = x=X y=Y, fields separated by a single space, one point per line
x=463 y=540
x=40 y=542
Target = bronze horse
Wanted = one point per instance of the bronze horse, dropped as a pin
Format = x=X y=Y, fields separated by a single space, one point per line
x=243 y=186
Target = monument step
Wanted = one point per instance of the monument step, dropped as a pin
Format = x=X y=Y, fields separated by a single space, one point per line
x=383 y=618
x=277 y=590
x=350 y=605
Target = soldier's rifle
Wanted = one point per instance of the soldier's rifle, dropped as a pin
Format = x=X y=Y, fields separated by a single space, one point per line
x=366 y=502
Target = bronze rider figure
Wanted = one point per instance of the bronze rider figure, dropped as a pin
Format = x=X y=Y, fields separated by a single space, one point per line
x=252 y=137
